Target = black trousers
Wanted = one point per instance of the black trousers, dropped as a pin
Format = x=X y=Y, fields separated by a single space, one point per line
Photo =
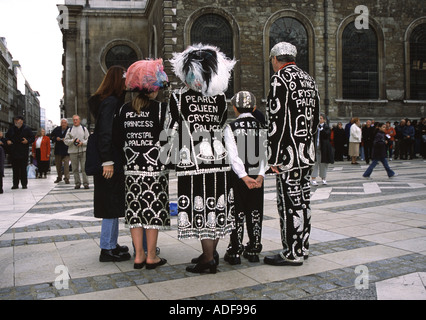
x=293 y=202
x=43 y=166
x=19 y=169
x=368 y=149
x=248 y=204
x=407 y=148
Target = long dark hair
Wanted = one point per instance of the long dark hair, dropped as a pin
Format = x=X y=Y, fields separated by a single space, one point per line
x=113 y=83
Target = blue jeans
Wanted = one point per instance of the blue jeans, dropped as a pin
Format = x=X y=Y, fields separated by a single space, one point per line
x=373 y=164
x=109 y=234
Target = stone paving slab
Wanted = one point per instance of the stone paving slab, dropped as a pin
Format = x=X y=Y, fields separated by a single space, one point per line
x=370 y=233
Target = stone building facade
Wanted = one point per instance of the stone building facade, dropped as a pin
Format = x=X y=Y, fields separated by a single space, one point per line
x=16 y=95
x=369 y=57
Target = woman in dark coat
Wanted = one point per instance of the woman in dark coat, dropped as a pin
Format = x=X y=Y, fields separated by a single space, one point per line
x=379 y=153
x=340 y=140
x=109 y=184
x=324 y=152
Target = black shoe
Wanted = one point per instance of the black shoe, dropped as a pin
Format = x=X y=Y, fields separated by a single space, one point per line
x=121 y=249
x=57 y=180
x=232 y=259
x=14 y=187
x=251 y=257
x=86 y=186
x=139 y=265
x=24 y=187
x=77 y=186
x=202 y=267
x=112 y=256
x=277 y=260
x=215 y=257
x=151 y=266
x=1 y=191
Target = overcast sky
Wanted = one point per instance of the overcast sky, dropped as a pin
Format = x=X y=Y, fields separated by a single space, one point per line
x=34 y=39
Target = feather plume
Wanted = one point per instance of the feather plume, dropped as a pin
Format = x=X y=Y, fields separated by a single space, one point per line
x=203 y=68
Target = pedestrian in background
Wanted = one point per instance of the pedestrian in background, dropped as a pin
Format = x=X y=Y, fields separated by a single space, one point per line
x=407 y=144
x=62 y=157
x=324 y=154
x=2 y=160
x=76 y=140
x=379 y=152
x=423 y=142
x=355 y=138
x=390 y=135
x=19 y=138
x=339 y=142
x=41 y=152
x=399 y=127
x=368 y=132
x=108 y=194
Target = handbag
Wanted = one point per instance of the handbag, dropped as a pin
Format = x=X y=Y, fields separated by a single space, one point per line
x=93 y=160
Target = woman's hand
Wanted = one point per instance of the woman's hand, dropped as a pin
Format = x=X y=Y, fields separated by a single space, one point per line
x=108 y=172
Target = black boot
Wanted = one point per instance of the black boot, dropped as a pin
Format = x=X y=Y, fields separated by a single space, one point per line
x=113 y=256
x=232 y=259
x=202 y=267
x=215 y=257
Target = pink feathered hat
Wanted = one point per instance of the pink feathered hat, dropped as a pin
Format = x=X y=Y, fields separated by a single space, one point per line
x=146 y=76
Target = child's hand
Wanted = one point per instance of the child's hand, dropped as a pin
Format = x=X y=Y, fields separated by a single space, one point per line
x=259 y=181
x=250 y=182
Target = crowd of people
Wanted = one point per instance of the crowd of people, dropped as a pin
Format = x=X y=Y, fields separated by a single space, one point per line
x=406 y=139
x=220 y=164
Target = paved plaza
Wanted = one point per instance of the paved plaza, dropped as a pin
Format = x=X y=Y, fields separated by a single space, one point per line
x=368 y=242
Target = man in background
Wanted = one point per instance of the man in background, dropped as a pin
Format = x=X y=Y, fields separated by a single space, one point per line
x=76 y=140
x=62 y=157
x=18 y=138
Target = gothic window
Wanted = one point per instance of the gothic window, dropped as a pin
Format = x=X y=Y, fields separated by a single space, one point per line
x=121 y=55
x=291 y=30
x=418 y=63
x=360 y=76
x=215 y=30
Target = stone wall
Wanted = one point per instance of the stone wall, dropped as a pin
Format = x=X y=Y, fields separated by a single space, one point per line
x=249 y=17
x=164 y=27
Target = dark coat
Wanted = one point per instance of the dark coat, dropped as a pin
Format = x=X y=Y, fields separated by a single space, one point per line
x=327 y=152
x=408 y=131
x=109 y=198
x=293 y=113
x=60 y=147
x=379 y=146
x=18 y=150
x=2 y=160
x=368 y=135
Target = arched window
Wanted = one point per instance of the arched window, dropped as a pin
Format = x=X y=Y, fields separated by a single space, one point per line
x=121 y=55
x=418 y=63
x=360 y=63
x=213 y=29
x=291 y=30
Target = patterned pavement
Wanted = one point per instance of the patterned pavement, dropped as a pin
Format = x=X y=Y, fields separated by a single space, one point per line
x=368 y=242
